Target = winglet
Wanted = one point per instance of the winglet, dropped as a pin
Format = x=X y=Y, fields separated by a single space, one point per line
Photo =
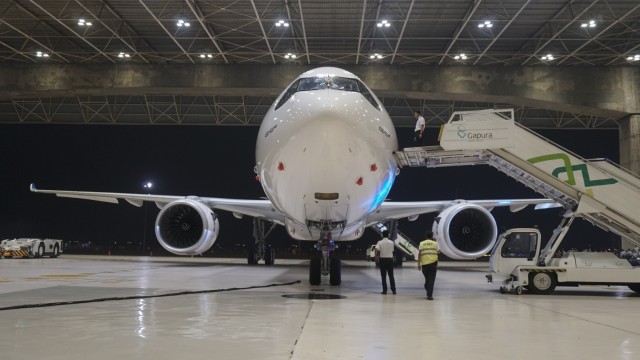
x=32 y=187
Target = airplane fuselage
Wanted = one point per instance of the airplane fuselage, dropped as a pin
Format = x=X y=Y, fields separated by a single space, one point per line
x=324 y=155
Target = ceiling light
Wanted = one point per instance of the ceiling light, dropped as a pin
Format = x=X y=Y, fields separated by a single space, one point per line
x=290 y=56
x=181 y=23
x=460 y=57
x=123 y=55
x=282 y=23
x=82 y=22
x=384 y=23
x=375 y=56
x=548 y=57
x=634 y=57
x=486 y=23
x=591 y=24
x=41 y=54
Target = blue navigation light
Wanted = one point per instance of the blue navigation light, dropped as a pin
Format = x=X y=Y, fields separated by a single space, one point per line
x=505 y=202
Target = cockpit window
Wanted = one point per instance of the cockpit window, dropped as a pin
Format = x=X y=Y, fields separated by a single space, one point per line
x=329 y=82
x=288 y=94
x=367 y=95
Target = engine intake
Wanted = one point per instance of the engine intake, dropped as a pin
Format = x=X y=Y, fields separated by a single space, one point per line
x=186 y=227
x=465 y=231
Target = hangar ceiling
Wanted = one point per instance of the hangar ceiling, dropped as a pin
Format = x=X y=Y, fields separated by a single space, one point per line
x=559 y=33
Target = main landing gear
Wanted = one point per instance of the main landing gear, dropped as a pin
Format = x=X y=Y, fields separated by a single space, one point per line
x=257 y=249
x=325 y=262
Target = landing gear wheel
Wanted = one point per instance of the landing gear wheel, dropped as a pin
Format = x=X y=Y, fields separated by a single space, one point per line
x=40 y=251
x=519 y=290
x=56 y=252
x=315 y=270
x=335 y=271
x=269 y=256
x=542 y=283
x=251 y=254
x=503 y=290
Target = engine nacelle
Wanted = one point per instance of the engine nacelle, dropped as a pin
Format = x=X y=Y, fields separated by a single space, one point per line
x=465 y=231
x=186 y=227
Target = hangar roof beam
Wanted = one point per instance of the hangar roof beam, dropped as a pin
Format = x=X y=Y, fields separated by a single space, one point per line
x=404 y=26
x=575 y=18
x=210 y=33
x=618 y=20
x=72 y=31
x=264 y=34
x=115 y=33
x=513 y=18
x=465 y=21
x=165 y=30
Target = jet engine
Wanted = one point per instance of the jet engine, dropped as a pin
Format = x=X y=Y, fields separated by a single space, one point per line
x=186 y=227
x=465 y=231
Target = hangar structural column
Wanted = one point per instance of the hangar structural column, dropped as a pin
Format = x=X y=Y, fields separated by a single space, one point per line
x=629 y=135
x=630 y=143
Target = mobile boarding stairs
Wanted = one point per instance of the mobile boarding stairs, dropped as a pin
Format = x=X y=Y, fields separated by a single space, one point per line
x=599 y=191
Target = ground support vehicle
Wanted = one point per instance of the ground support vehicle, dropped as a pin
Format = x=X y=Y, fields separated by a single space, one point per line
x=519 y=262
x=30 y=248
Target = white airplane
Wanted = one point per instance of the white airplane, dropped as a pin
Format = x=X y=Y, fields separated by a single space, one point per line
x=324 y=157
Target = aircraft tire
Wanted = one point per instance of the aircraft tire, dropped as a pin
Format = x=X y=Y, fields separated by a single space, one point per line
x=335 y=271
x=315 y=270
x=269 y=256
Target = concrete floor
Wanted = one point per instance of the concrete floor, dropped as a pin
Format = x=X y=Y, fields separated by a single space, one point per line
x=469 y=318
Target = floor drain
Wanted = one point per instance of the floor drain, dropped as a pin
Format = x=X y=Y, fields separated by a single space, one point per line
x=314 y=296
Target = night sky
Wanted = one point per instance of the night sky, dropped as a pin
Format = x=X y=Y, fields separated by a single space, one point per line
x=218 y=161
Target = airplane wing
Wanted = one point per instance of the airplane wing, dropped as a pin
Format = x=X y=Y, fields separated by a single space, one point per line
x=398 y=210
x=255 y=208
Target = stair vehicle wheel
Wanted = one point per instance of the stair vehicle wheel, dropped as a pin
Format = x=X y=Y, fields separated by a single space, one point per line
x=56 y=251
x=40 y=251
x=542 y=282
x=315 y=270
x=335 y=270
x=634 y=287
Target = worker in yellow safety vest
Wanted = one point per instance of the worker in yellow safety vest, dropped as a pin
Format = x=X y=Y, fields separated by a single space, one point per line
x=428 y=262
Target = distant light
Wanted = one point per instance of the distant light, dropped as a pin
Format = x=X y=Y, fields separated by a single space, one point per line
x=183 y=23
x=460 y=57
x=148 y=185
x=375 y=56
x=41 y=54
x=591 y=24
x=290 y=56
x=486 y=23
x=384 y=23
x=548 y=57
x=282 y=23
x=123 y=55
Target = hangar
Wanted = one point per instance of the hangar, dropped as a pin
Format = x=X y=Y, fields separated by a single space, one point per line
x=570 y=64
